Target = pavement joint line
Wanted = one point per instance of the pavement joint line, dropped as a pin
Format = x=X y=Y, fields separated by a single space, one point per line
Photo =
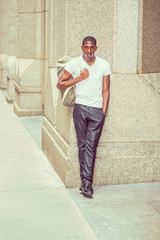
x=30 y=190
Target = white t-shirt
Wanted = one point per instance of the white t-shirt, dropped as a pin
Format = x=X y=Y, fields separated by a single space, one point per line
x=89 y=91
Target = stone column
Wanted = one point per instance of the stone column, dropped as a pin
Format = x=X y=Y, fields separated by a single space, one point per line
x=50 y=132
x=126 y=26
x=59 y=140
x=3 y=42
x=28 y=85
x=11 y=60
x=45 y=45
x=128 y=150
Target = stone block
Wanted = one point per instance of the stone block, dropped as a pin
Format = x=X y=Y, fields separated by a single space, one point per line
x=11 y=76
x=151 y=37
x=131 y=114
x=3 y=61
x=45 y=5
x=29 y=6
x=86 y=24
x=10 y=95
x=125 y=36
x=51 y=95
x=3 y=5
x=4 y=22
x=28 y=99
x=29 y=37
x=3 y=69
x=21 y=66
x=3 y=43
x=55 y=148
x=153 y=80
x=45 y=35
x=57 y=33
x=128 y=150
x=11 y=66
x=12 y=31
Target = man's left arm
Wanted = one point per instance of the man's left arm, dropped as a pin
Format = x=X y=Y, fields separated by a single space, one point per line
x=106 y=93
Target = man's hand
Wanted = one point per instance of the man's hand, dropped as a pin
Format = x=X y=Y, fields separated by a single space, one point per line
x=64 y=81
x=84 y=74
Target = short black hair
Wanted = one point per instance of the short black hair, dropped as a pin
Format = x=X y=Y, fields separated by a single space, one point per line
x=89 y=38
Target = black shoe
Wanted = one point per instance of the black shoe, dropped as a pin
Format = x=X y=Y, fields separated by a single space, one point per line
x=88 y=191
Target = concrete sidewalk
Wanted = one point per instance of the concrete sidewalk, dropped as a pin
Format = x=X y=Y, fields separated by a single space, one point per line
x=34 y=203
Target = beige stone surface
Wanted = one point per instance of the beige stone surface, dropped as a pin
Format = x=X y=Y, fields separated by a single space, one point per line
x=12 y=31
x=34 y=202
x=55 y=148
x=3 y=5
x=133 y=106
x=31 y=76
x=57 y=31
x=4 y=22
x=28 y=99
x=139 y=43
x=10 y=95
x=11 y=66
x=3 y=26
x=45 y=35
x=125 y=36
x=128 y=151
x=45 y=4
x=123 y=212
x=153 y=80
x=3 y=69
x=51 y=95
x=151 y=37
x=11 y=76
x=29 y=35
x=21 y=66
x=83 y=20
x=3 y=42
x=30 y=6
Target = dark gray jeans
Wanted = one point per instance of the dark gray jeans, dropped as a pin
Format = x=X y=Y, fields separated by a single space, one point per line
x=88 y=123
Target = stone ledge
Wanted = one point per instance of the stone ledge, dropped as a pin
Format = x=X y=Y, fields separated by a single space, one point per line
x=24 y=89
x=26 y=112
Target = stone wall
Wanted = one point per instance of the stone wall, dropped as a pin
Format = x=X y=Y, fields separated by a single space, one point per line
x=151 y=36
x=31 y=58
x=3 y=43
x=128 y=151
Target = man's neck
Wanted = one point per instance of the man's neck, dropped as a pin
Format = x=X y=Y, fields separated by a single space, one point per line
x=90 y=60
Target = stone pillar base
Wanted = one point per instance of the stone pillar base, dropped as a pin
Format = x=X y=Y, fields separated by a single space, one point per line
x=129 y=147
x=8 y=99
x=116 y=163
x=58 y=151
x=11 y=76
x=28 y=93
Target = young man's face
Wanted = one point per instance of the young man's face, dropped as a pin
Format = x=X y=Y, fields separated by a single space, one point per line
x=89 y=49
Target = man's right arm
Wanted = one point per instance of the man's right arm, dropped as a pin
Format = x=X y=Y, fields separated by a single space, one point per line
x=64 y=81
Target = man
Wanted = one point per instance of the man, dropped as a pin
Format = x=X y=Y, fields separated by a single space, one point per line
x=91 y=76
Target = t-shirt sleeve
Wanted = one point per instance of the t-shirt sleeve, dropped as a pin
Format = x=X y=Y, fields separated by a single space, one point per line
x=107 y=69
x=70 y=66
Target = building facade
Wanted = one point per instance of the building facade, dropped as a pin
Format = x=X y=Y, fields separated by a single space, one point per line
x=34 y=34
